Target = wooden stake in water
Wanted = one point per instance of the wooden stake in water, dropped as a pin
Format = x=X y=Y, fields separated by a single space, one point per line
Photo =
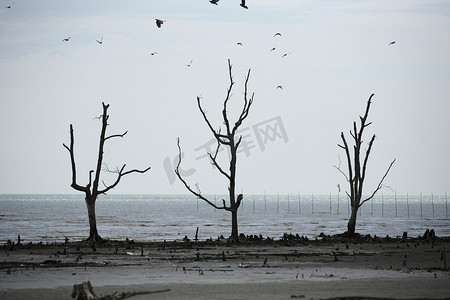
x=299 y=203
x=330 y=203
x=338 y=205
x=421 y=215
x=253 y=202
x=395 y=199
x=407 y=203
x=265 y=202
x=371 y=207
x=289 y=207
x=278 y=201
x=446 y=209
x=432 y=203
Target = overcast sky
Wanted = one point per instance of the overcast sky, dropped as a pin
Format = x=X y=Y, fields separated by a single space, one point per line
x=338 y=54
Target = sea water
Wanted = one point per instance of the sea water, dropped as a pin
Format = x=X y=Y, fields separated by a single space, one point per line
x=51 y=218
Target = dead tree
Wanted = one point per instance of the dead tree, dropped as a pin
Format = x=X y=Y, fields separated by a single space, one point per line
x=357 y=168
x=92 y=189
x=228 y=139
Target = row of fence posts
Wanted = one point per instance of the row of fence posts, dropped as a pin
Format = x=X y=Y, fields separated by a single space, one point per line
x=348 y=204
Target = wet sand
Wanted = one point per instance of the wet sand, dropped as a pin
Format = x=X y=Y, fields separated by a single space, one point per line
x=284 y=269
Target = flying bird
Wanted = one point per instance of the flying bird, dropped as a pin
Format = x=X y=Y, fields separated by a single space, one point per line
x=272 y=49
x=243 y=4
x=159 y=22
x=279 y=87
x=189 y=64
x=239 y=44
x=66 y=39
x=100 y=41
x=277 y=34
x=153 y=53
x=9 y=6
x=286 y=54
x=213 y=1
x=391 y=43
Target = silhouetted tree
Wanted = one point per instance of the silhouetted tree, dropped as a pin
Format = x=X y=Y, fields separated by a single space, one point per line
x=92 y=189
x=228 y=139
x=357 y=168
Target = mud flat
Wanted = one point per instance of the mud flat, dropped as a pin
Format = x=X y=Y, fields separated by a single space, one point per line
x=256 y=268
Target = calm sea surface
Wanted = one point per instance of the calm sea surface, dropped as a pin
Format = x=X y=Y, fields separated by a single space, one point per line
x=48 y=218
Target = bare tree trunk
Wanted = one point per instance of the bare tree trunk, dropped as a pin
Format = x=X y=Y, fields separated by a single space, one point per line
x=93 y=233
x=351 y=225
x=234 y=226
x=233 y=204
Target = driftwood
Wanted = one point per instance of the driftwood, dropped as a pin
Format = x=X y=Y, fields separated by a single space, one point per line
x=84 y=291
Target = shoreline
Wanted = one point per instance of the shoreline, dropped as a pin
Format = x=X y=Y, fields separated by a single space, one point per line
x=269 y=269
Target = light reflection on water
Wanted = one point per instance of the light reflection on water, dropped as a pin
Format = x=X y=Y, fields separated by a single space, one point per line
x=158 y=217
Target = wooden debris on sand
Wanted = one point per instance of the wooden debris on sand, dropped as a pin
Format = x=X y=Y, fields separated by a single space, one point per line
x=84 y=291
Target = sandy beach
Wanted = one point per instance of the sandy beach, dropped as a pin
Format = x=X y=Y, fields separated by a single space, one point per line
x=329 y=267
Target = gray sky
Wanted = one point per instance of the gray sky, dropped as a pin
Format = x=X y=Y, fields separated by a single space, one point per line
x=338 y=55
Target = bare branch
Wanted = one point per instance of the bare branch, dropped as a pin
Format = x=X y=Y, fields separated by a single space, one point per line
x=369 y=148
x=74 y=184
x=338 y=167
x=107 y=169
x=380 y=184
x=216 y=134
x=105 y=118
x=136 y=171
x=121 y=173
x=225 y=103
x=388 y=187
x=342 y=172
x=116 y=135
x=349 y=161
x=247 y=104
x=238 y=142
x=215 y=163
x=90 y=179
x=368 y=107
x=238 y=200
x=195 y=193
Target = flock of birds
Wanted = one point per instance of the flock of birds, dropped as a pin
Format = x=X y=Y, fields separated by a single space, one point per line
x=160 y=22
